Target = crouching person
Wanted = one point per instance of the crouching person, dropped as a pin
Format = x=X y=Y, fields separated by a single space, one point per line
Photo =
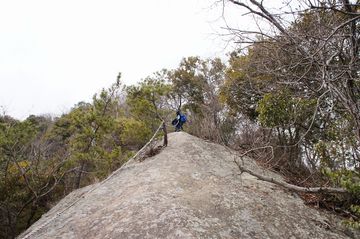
x=179 y=121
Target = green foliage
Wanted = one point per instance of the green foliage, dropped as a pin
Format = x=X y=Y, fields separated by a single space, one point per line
x=41 y=159
x=244 y=85
x=355 y=209
x=349 y=179
x=24 y=176
x=336 y=154
x=91 y=144
x=196 y=85
x=275 y=110
x=134 y=132
x=196 y=81
x=188 y=82
x=310 y=109
x=148 y=100
x=282 y=109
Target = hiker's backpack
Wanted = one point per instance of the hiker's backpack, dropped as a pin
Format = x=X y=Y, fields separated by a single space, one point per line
x=174 y=122
x=183 y=118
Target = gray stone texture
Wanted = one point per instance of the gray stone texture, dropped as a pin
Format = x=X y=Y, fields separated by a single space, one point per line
x=191 y=189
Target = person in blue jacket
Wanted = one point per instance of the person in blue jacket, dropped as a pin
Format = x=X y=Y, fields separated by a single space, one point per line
x=179 y=121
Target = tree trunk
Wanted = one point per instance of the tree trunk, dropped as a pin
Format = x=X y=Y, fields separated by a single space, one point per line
x=165 y=134
x=79 y=175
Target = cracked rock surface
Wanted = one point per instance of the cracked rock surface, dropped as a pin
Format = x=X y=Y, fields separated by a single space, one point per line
x=191 y=189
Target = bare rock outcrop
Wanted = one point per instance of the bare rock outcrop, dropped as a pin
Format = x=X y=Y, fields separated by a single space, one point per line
x=191 y=189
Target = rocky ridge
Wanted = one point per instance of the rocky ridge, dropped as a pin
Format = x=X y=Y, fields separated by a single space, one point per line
x=191 y=189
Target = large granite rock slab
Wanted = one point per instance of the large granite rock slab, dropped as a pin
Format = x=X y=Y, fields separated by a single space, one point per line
x=191 y=189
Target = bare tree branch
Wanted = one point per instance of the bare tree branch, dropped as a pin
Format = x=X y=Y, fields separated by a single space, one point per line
x=291 y=186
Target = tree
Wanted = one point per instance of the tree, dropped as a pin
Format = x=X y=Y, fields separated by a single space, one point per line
x=91 y=144
x=318 y=51
x=148 y=101
x=27 y=179
x=197 y=83
x=313 y=59
x=43 y=159
x=244 y=86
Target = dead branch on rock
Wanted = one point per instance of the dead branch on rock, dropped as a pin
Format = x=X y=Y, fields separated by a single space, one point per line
x=291 y=186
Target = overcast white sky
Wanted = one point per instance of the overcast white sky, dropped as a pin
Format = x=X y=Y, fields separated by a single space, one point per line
x=54 y=54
